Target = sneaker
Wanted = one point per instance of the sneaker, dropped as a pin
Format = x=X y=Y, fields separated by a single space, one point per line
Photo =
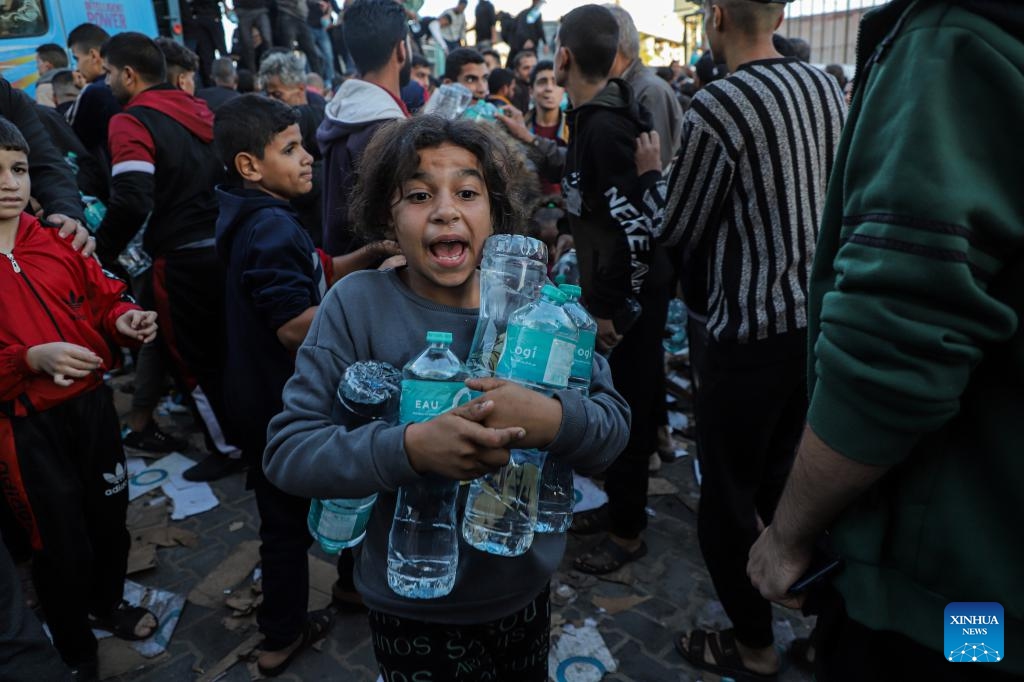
x=151 y=439
x=214 y=467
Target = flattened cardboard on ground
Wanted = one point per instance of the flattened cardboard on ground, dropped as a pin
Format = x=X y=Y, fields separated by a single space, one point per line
x=141 y=557
x=117 y=657
x=147 y=512
x=613 y=605
x=229 y=573
x=661 y=486
x=238 y=653
x=168 y=536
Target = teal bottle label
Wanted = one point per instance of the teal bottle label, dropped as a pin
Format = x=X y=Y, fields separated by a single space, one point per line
x=535 y=357
x=423 y=400
x=583 y=362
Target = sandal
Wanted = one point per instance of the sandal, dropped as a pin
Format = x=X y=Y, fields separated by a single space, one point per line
x=590 y=521
x=318 y=624
x=727 y=658
x=122 y=621
x=607 y=556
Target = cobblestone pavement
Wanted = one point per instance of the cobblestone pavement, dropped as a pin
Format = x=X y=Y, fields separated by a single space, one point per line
x=671 y=580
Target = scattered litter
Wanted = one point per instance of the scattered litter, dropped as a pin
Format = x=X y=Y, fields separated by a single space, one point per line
x=588 y=495
x=661 y=486
x=166 y=606
x=141 y=557
x=230 y=572
x=696 y=471
x=194 y=499
x=169 y=406
x=580 y=581
x=146 y=513
x=679 y=453
x=650 y=512
x=156 y=474
x=678 y=421
x=670 y=399
x=580 y=655
x=614 y=605
x=238 y=653
x=236 y=525
x=167 y=536
x=563 y=595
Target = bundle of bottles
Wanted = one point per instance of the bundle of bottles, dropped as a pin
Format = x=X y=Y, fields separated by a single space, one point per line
x=530 y=332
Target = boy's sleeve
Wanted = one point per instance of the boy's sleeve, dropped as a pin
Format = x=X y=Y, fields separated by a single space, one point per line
x=316 y=448
x=108 y=298
x=133 y=155
x=14 y=371
x=277 y=271
x=594 y=430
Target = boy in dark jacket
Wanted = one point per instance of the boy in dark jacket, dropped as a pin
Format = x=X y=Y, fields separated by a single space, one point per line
x=62 y=467
x=276 y=278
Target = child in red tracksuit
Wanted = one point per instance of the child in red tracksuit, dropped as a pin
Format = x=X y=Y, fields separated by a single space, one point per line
x=62 y=468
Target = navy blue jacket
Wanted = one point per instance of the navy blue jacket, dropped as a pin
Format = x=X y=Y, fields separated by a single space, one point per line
x=274 y=273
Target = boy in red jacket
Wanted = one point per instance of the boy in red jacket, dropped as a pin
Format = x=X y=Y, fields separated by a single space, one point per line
x=62 y=468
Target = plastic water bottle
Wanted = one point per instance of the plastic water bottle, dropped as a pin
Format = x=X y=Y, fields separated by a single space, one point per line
x=423 y=547
x=501 y=508
x=369 y=390
x=567 y=269
x=675 y=340
x=533 y=15
x=513 y=269
x=94 y=209
x=450 y=101
x=481 y=111
x=134 y=258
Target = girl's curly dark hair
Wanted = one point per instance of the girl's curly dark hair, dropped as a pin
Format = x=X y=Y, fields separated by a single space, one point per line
x=392 y=158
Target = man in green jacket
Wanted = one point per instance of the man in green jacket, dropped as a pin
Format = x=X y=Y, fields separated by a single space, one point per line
x=913 y=454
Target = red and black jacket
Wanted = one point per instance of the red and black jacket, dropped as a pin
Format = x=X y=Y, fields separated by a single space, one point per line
x=50 y=293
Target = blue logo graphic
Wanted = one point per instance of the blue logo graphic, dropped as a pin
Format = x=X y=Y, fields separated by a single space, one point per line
x=974 y=632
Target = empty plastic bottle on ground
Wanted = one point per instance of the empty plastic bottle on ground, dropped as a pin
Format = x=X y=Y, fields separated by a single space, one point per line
x=369 y=391
x=423 y=547
x=501 y=508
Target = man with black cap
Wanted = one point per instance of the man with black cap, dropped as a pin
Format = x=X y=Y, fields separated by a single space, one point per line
x=744 y=202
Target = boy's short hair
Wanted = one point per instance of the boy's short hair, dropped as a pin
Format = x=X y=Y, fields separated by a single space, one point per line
x=87 y=37
x=372 y=28
x=137 y=51
x=591 y=34
x=420 y=60
x=11 y=138
x=52 y=54
x=177 y=55
x=248 y=123
x=63 y=81
x=458 y=58
x=498 y=79
x=392 y=158
x=542 y=65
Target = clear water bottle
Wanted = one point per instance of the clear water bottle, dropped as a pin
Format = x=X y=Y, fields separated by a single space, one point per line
x=450 y=101
x=134 y=258
x=676 y=340
x=501 y=508
x=513 y=269
x=567 y=269
x=95 y=211
x=583 y=361
x=370 y=391
x=423 y=547
x=481 y=111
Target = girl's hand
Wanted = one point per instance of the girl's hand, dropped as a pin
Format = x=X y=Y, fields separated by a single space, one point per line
x=538 y=414
x=648 y=153
x=65 y=362
x=457 y=446
x=138 y=324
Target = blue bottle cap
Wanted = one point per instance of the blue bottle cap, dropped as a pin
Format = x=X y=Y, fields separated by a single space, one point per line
x=439 y=337
x=551 y=292
x=571 y=290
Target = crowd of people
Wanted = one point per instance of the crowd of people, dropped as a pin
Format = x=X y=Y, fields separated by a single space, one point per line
x=269 y=213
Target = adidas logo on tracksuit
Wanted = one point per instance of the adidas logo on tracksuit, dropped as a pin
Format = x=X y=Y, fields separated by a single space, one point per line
x=118 y=479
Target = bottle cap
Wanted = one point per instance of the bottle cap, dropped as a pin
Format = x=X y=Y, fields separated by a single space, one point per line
x=550 y=291
x=439 y=337
x=571 y=290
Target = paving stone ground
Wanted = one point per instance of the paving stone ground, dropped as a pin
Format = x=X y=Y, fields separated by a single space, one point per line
x=671 y=577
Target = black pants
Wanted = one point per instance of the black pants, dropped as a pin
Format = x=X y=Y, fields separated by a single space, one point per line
x=509 y=649
x=846 y=651
x=25 y=653
x=750 y=409
x=188 y=286
x=205 y=36
x=638 y=372
x=294 y=30
x=72 y=465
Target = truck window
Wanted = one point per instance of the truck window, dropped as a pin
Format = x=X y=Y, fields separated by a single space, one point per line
x=21 y=18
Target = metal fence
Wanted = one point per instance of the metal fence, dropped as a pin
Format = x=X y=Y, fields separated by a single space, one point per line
x=829 y=26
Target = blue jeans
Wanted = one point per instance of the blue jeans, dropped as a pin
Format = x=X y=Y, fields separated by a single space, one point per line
x=323 y=41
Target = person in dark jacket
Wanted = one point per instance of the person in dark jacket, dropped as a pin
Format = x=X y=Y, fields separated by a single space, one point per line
x=204 y=34
x=92 y=178
x=292 y=29
x=528 y=31
x=162 y=131
x=375 y=32
x=276 y=278
x=96 y=105
x=225 y=84
x=622 y=273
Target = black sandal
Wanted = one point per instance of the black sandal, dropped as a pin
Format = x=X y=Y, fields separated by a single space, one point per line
x=590 y=522
x=723 y=649
x=607 y=556
x=122 y=621
x=318 y=624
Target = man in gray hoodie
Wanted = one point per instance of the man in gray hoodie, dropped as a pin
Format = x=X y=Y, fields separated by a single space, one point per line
x=376 y=34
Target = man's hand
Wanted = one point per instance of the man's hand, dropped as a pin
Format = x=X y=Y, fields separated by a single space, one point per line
x=457 y=446
x=137 y=324
x=385 y=248
x=65 y=362
x=69 y=227
x=774 y=565
x=607 y=337
x=513 y=120
x=516 y=405
x=648 y=153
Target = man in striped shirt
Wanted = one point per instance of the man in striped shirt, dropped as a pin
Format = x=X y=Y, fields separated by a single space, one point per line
x=743 y=205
